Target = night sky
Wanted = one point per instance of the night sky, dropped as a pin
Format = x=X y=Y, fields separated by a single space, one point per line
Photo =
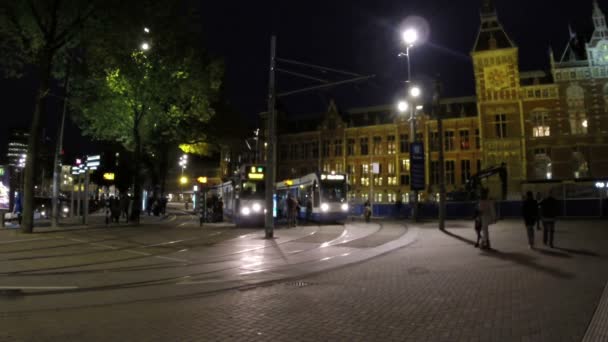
x=357 y=36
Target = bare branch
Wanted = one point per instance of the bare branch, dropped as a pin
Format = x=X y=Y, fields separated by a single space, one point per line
x=38 y=19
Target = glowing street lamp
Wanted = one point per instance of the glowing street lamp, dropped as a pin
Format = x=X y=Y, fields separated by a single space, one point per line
x=402 y=106
x=410 y=36
x=415 y=92
x=145 y=46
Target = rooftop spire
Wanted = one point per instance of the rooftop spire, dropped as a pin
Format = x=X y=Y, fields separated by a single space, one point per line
x=491 y=34
x=599 y=22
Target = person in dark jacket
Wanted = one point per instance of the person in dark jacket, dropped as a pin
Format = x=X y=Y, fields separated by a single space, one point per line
x=548 y=213
x=530 y=214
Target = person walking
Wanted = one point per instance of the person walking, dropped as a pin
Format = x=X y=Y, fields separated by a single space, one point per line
x=477 y=226
x=291 y=210
x=488 y=217
x=367 y=211
x=529 y=212
x=539 y=199
x=549 y=214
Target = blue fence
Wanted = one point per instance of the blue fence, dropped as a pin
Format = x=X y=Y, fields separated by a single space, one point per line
x=506 y=209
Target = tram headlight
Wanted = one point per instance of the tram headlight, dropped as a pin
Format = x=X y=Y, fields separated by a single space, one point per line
x=245 y=211
x=256 y=207
x=66 y=210
x=324 y=207
x=344 y=207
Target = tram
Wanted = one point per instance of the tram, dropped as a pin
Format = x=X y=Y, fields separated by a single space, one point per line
x=324 y=193
x=244 y=196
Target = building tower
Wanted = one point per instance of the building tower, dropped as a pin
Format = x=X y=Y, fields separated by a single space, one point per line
x=501 y=125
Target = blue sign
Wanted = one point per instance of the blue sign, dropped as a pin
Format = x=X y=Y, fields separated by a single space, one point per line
x=417 y=176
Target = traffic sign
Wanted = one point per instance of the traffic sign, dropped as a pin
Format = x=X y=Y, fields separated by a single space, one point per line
x=418 y=181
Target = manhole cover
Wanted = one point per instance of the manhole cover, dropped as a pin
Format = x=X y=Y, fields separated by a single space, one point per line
x=298 y=283
x=418 y=271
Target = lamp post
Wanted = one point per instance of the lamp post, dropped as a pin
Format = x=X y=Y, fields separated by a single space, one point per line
x=410 y=37
x=183 y=163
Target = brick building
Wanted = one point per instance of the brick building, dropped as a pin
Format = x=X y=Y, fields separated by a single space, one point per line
x=544 y=124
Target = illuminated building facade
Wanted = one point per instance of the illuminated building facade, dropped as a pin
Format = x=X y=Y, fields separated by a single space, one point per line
x=545 y=125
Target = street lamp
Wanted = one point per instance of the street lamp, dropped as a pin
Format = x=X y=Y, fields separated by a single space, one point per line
x=183 y=163
x=410 y=37
x=402 y=106
x=145 y=46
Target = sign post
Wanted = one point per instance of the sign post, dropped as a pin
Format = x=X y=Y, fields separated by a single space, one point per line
x=417 y=177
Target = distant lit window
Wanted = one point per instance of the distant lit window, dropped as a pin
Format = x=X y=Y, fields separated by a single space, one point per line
x=540 y=125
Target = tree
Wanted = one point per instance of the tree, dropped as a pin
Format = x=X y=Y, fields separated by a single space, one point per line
x=36 y=33
x=137 y=94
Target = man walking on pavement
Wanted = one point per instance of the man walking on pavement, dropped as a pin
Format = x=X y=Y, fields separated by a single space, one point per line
x=530 y=215
x=548 y=213
x=488 y=217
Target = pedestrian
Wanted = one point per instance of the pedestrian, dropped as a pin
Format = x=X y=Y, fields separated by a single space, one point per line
x=367 y=211
x=124 y=207
x=488 y=217
x=115 y=209
x=477 y=226
x=291 y=210
x=539 y=199
x=549 y=214
x=530 y=215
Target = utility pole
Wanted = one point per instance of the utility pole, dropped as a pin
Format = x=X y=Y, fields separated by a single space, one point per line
x=270 y=151
x=85 y=204
x=438 y=117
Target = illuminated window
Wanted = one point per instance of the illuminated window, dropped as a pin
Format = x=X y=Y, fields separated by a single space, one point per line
x=390 y=144
x=391 y=180
x=378 y=180
x=391 y=168
x=377 y=145
x=465 y=171
x=405 y=165
x=540 y=125
x=464 y=139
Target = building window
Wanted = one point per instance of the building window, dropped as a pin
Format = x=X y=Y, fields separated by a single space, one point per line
x=293 y=151
x=302 y=151
x=377 y=145
x=391 y=180
x=434 y=172
x=405 y=165
x=449 y=140
x=391 y=168
x=464 y=139
x=283 y=152
x=364 y=169
x=350 y=147
x=315 y=149
x=465 y=171
x=540 y=125
x=404 y=143
x=364 y=181
x=478 y=165
x=338 y=148
x=434 y=141
x=477 y=139
x=364 y=146
x=450 y=175
x=391 y=197
x=405 y=197
x=390 y=144
x=326 y=167
x=501 y=125
x=377 y=180
x=350 y=169
x=405 y=179
x=325 y=148
x=339 y=168
x=577 y=115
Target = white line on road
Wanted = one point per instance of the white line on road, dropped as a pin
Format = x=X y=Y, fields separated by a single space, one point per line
x=23 y=240
x=41 y=288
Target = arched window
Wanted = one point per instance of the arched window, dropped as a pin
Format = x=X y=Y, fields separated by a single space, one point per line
x=579 y=165
x=575 y=95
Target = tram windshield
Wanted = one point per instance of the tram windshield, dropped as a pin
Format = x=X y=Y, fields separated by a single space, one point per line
x=333 y=191
x=253 y=189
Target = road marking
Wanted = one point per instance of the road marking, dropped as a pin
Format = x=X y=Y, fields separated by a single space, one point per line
x=24 y=240
x=172 y=259
x=38 y=287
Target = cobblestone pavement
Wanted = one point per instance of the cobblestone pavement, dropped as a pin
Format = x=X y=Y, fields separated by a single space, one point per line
x=440 y=288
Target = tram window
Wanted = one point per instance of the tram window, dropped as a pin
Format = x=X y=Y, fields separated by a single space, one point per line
x=252 y=189
x=316 y=198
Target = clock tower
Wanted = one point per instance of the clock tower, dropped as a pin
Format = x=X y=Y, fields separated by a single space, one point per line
x=497 y=84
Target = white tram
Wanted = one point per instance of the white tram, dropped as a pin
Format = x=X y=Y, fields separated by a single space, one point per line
x=324 y=193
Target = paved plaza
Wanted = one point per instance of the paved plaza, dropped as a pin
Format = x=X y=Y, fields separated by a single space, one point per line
x=171 y=280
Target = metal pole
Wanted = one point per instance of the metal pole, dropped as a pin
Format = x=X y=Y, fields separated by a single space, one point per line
x=72 y=200
x=85 y=204
x=78 y=197
x=270 y=157
x=412 y=135
x=441 y=158
x=441 y=174
x=58 y=148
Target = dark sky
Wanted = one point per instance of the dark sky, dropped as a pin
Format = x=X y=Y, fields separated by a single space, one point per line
x=357 y=36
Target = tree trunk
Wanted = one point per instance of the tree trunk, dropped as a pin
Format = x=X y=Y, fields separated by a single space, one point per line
x=163 y=167
x=27 y=224
x=136 y=174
